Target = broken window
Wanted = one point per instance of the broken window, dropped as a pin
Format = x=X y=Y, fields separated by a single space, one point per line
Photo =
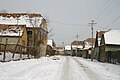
x=29 y=33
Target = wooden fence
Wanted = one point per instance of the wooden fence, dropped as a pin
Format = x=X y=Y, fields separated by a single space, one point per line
x=15 y=49
x=113 y=57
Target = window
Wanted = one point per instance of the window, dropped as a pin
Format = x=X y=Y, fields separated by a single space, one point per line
x=29 y=33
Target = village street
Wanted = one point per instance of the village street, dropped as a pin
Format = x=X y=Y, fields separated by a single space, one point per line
x=59 y=68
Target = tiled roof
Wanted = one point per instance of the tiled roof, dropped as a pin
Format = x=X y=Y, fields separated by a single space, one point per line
x=30 y=20
x=77 y=43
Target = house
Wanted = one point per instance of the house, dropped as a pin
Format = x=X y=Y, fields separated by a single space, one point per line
x=87 y=48
x=110 y=47
x=59 y=50
x=68 y=49
x=36 y=28
x=11 y=35
x=97 y=43
x=76 y=48
x=50 y=47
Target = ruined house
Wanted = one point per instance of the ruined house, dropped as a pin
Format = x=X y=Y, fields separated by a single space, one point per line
x=11 y=35
x=35 y=26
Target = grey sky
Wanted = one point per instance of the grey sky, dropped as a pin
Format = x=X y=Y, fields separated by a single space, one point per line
x=79 y=12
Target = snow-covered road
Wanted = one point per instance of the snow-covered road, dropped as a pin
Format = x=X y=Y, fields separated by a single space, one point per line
x=76 y=70
x=59 y=68
x=84 y=69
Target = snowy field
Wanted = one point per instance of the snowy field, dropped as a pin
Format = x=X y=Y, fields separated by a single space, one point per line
x=59 y=68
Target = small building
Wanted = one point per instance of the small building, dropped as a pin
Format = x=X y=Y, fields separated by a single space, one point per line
x=110 y=47
x=68 y=50
x=77 y=47
x=59 y=50
x=87 y=48
x=50 y=47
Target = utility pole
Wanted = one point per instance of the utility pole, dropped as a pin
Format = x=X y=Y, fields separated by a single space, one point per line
x=63 y=45
x=91 y=25
x=63 y=48
x=77 y=44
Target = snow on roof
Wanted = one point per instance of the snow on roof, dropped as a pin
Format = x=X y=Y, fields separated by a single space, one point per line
x=50 y=42
x=75 y=46
x=88 y=45
x=112 y=37
x=29 y=20
x=13 y=31
x=99 y=35
x=68 y=47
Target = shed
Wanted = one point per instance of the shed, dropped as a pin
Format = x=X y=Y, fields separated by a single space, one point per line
x=110 y=47
x=50 y=47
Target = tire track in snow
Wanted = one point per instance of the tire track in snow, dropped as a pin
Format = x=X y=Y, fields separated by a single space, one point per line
x=90 y=73
x=66 y=69
x=71 y=70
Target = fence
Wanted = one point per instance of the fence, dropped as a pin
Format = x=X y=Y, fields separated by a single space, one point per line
x=113 y=57
x=10 y=52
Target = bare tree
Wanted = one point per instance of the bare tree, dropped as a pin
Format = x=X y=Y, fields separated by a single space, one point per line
x=50 y=31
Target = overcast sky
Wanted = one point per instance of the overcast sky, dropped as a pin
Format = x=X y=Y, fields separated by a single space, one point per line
x=70 y=17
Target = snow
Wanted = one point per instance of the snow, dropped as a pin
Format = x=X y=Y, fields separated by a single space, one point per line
x=105 y=70
x=59 y=68
x=112 y=37
x=99 y=40
x=77 y=46
x=12 y=32
x=50 y=42
x=35 y=69
x=9 y=56
x=68 y=47
x=22 y=20
x=87 y=45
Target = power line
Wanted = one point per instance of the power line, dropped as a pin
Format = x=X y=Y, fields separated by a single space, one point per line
x=113 y=21
x=103 y=11
x=68 y=23
x=109 y=11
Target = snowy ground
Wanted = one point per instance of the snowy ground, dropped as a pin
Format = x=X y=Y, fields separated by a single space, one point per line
x=8 y=56
x=59 y=68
